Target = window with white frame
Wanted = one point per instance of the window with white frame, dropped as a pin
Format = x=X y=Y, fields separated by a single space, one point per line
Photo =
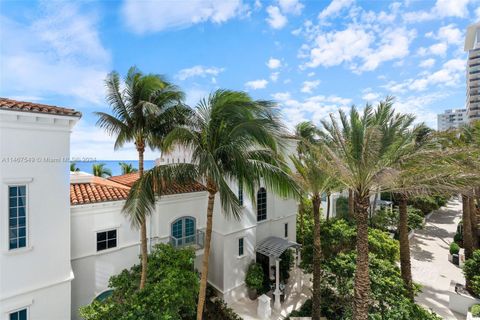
x=261 y=204
x=19 y=315
x=240 y=193
x=241 y=247
x=285 y=231
x=17 y=217
x=106 y=239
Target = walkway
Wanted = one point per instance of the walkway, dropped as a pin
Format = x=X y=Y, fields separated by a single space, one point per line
x=430 y=265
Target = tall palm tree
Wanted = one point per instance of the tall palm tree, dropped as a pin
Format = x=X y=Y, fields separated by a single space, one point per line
x=358 y=152
x=143 y=112
x=127 y=168
x=232 y=138
x=315 y=182
x=99 y=170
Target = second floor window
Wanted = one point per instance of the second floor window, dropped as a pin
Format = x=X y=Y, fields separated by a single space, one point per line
x=19 y=315
x=261 y=204
x=240 y=247
x=240 y=194
x=17 y=217
x=106 y=240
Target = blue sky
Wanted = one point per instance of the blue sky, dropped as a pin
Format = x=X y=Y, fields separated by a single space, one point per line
x=312 y=57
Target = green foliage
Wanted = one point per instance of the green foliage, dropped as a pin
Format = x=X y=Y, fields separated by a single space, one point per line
x=99 y=170
x=454 y=248
x=388 y=220
x=218 y=310
x=338 y=236
x=427 y=204
x=170 y=292
x=342 y=208
x=127 y=168
x=471 y=269
x=475 y=310
x=304 y=311
x=254 y=278
x=286 y=263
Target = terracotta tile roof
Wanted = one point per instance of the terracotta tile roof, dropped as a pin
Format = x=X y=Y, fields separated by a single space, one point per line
x=8 y=104
x=98 y=190
x=173 y=188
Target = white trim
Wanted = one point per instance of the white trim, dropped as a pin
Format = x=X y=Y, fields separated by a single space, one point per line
x=106 y=230
x=19 y=306
x=17 y=181
x=6 y=239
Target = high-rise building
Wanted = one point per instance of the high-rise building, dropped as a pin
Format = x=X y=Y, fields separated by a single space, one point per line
x=452 y=118
x=472 y=46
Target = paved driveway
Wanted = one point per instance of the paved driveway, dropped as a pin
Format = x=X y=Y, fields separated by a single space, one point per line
x=430 y=265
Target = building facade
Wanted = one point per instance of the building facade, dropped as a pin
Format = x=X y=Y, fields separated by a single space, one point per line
x=35 y=271
x=452 y=119
x=472 y=46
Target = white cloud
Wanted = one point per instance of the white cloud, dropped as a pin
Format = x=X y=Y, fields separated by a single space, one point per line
x=58 y=54
x=281 y=96
x=256 y=84
x=311 y=74
x=442 y=9
x=154 y=16
x=291 y=6
x=477 y=14
x=428 y=63
x=371 y=96
x=274 y=76
x=450 y=34
x=334 y=8
x=274 y=63
x=439 y=49
x=199 y=71
x=308 y=86
x=275 y=18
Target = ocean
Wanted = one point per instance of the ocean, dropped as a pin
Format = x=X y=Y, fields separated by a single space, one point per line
x=86 y=166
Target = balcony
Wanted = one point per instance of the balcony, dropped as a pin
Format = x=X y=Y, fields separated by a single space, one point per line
x=197 y=240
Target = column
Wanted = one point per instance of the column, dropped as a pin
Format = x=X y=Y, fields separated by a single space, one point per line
x=277 y=305
x=298 y=273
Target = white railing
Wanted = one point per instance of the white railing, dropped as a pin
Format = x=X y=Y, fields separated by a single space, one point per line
x=197 y=240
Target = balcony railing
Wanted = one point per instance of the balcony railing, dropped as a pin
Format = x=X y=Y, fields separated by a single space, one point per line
x=196 y=240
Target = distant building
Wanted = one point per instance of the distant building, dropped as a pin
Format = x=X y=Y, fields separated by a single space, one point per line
x=452 y=118
x=472 y=45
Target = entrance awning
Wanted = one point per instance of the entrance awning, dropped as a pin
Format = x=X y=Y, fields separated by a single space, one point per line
x=275 y=246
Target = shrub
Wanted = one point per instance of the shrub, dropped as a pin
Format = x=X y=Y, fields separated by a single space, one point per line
x=304 y=311
x=286 y=263
x=425 y=204
x=475 y=310
x=471 y=269
x=387 y=220
x=342 y=208
x=254 y=277
x=218 y=310
x=454 y=248
x=170 y=292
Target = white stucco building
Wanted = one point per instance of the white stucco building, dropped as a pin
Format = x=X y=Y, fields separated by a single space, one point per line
x=452 y=119
x=35 y=270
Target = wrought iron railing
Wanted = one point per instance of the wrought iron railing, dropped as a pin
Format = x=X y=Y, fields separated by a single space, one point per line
x=196 y=240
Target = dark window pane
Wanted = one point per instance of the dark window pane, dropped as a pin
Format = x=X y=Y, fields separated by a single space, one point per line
x=13 y=222
x=101 y=236
x=286 y=230
x=112 y=243
x=22 y=232
x=102 y=245
x=13 y=212
x=13 y=202
x=22 y=201
x=21 y=211
x=21 y=222
x=22 y=191
x=13 y=233
x=22 y=242
x=13 y=244
x=22 y=315
x=12 y=191
x=112 y=234
x=14 y=316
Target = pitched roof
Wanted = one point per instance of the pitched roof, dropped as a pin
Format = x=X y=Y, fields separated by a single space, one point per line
x=97 y=190
x=172 y=188
x=14 y=105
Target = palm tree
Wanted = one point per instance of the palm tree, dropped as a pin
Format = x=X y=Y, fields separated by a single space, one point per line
x=143 y=112
x=127 y=168
x=73 y=167
x=314 y=181
x=99 y=170
x=358 y=152
x=232 y=138
x=424 y=169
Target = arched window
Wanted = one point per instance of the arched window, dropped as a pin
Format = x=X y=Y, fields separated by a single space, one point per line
x=183 y=231
x=261 y=204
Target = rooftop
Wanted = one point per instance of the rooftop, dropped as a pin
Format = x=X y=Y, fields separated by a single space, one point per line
x=23 y=106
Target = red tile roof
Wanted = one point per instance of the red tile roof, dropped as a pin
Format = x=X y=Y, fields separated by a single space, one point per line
x=14 y=105
x=172 y=188
x=98 y=190
x=117 y=188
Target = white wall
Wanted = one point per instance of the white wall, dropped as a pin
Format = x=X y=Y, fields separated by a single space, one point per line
x=34 y=150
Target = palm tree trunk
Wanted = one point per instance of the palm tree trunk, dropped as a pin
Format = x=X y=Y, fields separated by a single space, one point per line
x=474 y=222
x=351 y=204
x=206 y=254
x=317 y=256
x=328 y=205
x=362 y=279
x=467 y=227
x=143 y=226
x=405 y=264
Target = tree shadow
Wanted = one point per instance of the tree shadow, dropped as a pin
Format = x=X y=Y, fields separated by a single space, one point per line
x=437 y=300
x=417 y=252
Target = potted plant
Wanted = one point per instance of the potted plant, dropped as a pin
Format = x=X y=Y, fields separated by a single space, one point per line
x=454 y=250
x=254 y=279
